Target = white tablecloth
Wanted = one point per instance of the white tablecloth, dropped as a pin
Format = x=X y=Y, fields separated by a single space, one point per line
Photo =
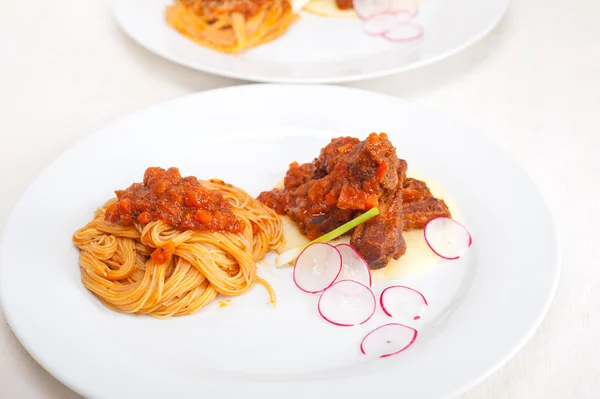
x=532 y=85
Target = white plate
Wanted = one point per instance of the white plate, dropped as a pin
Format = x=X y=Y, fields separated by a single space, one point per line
x=319 y=49
x=482 y=308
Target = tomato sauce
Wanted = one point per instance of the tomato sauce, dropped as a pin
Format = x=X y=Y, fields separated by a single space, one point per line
x=181 y=202
x=249 y=8
x=344 y=4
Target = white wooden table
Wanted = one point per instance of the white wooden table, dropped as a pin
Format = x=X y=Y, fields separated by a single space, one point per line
x=532 y=85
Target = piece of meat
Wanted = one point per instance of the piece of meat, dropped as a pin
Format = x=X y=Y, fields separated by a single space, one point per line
x=380 y=239
x=325 y=163
x=414 y=190
x=420 y=206
x=413 y=206
x=298 y=175
x=347 y=178
x=417 y=214
x=275 y=199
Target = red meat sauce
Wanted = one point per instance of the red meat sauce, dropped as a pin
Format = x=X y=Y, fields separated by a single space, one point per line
x=182 y=202
x=348 y=176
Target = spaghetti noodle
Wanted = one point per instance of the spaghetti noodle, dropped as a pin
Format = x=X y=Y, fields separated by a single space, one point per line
x=162 y=271
x=231 y=26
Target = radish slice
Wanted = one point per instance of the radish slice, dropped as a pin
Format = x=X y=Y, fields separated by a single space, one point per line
x=317 y=267
x=378 y=24
x=347 y=303
x=388 y=340
x=404 y=33
x=354 y=267
x=402 y=302
x=405 y=15
x=447 y=238
x=370 y=8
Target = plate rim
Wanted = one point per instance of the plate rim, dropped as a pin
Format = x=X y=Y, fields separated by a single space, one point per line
x=356 y=77
x=533 y=326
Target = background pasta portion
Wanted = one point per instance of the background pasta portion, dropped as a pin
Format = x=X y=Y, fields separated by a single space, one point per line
x=231 y=26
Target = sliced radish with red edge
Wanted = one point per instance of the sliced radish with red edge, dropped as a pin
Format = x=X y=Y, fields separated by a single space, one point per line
x=447 y=238
x=388 y=340
x=347 y=303
x=402 y=302
x=354 y=266
x=405 y=15
x=369 y=8
x=317 y=267
x=404 y=33
x=378 y=24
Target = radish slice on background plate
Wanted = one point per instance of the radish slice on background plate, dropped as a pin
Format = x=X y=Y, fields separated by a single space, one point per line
x=347 y=303
x=404 y=33
x=447 y=238
x=402 y=302
x=388 y=340
x=378 y=24
x=317 y=267
x=354 y=267
x=405 y=15
x=370 y=8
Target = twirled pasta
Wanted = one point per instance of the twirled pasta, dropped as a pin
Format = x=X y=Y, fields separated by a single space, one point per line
x=231 y=26
x=117 y=267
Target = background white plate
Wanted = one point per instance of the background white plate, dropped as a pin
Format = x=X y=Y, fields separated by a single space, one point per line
x=482 y=308
x=318 y=49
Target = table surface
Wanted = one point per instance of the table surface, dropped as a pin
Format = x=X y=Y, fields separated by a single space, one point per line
x=532 y=86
